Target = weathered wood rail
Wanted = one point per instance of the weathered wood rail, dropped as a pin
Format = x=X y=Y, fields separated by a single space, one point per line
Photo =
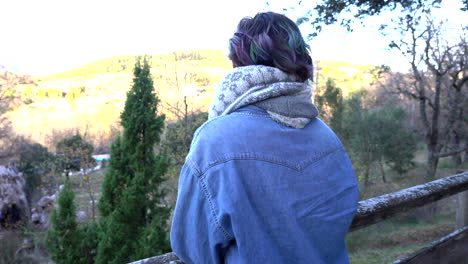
x=452 y=248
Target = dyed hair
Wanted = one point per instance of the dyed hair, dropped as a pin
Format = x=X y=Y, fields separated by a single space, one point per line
x=271 y=39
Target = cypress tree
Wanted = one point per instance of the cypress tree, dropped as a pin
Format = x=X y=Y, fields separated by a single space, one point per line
x=63 y=236
x=133 y=221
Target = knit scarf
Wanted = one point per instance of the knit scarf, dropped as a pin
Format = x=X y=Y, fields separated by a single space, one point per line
x=286 y=99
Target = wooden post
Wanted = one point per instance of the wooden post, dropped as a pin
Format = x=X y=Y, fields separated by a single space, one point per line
x=462 y=209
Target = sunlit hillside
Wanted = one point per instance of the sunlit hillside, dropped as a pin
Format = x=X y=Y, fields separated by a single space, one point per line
x=349 y=77
x=91 y=97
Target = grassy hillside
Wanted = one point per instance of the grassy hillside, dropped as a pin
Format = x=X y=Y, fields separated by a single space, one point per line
x=125 y=63
x=92 y=96
x=349 y=77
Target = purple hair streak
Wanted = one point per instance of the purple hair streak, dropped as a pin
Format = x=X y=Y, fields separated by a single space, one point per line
x=271 y=39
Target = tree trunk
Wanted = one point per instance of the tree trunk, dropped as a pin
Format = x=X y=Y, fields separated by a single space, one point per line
x=430 y=210
x=366 y=177
x=432 y=161
x=382 y=171
x=462 y=209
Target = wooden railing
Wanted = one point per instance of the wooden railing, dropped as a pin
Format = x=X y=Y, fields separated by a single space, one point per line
x=449 y=249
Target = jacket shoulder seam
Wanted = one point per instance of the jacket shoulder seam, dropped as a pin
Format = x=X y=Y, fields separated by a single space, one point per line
x=197 y=171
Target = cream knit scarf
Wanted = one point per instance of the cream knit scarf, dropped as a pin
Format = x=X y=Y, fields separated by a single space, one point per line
x=287 y=100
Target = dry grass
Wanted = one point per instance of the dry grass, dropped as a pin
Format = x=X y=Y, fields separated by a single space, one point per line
x=392 y=239
x=93 y=114
x=16 y=249
x=98 y=108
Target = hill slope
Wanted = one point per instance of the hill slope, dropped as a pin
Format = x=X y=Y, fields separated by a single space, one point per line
x=92 y=96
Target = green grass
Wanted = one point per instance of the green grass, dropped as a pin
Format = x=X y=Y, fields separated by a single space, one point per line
x=393 y=239
x=402 y=235
x=82 y=191
x=373 y=256
x=384 y=242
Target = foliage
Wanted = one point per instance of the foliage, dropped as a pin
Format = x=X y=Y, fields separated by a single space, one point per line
x=34 y=161
x=75 y=92
x=153 y=239
x=202 y=80
x=435 y=84
x=63 y=237
x=27 y=95
x=347 y=12
x=177 y=140
x=88 y=243
x=377 y=136
x=190 y=55
x=131 y=206
x=8 y=84
x=399 y=143
x=373 y=136
x=179 y=135
x=330 y=103
x=74 y=153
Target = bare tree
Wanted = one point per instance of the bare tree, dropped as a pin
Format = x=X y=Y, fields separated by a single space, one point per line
x=8 y=84
x=185 y=119
x=457 y=81
x=436 y=83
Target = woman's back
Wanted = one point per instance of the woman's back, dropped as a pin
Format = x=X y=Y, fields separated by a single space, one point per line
x=265 y=180
x=275 y=194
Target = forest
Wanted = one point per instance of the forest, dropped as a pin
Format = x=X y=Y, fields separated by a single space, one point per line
x=100 y=184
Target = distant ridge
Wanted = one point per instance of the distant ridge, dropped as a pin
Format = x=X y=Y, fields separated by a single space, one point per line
x=92 y=96
x=125 y=63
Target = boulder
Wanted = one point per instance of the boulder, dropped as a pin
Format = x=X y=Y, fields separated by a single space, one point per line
x=14 y=209
x=41 y=212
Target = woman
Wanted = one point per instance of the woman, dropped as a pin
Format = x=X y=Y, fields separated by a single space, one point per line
x=265 y=181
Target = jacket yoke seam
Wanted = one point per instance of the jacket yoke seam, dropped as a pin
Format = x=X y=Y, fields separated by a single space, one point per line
x=245 y=156
x=320 y=157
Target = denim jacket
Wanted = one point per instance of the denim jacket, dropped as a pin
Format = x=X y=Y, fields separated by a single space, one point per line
x=255 y=191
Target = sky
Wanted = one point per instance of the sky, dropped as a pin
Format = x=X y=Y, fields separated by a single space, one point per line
x=50 y=36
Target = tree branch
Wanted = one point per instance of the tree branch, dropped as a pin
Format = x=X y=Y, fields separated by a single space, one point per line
x=415 y=96
x=451 y=153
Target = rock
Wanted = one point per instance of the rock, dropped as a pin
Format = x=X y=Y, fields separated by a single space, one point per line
x=14 y=208
x=81 y=216
x=41 y=212
x=27 y=248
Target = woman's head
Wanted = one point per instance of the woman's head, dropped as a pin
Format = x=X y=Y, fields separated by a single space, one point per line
x=271 y=39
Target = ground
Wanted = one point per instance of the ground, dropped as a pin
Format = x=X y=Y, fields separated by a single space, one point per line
x=384 y=242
